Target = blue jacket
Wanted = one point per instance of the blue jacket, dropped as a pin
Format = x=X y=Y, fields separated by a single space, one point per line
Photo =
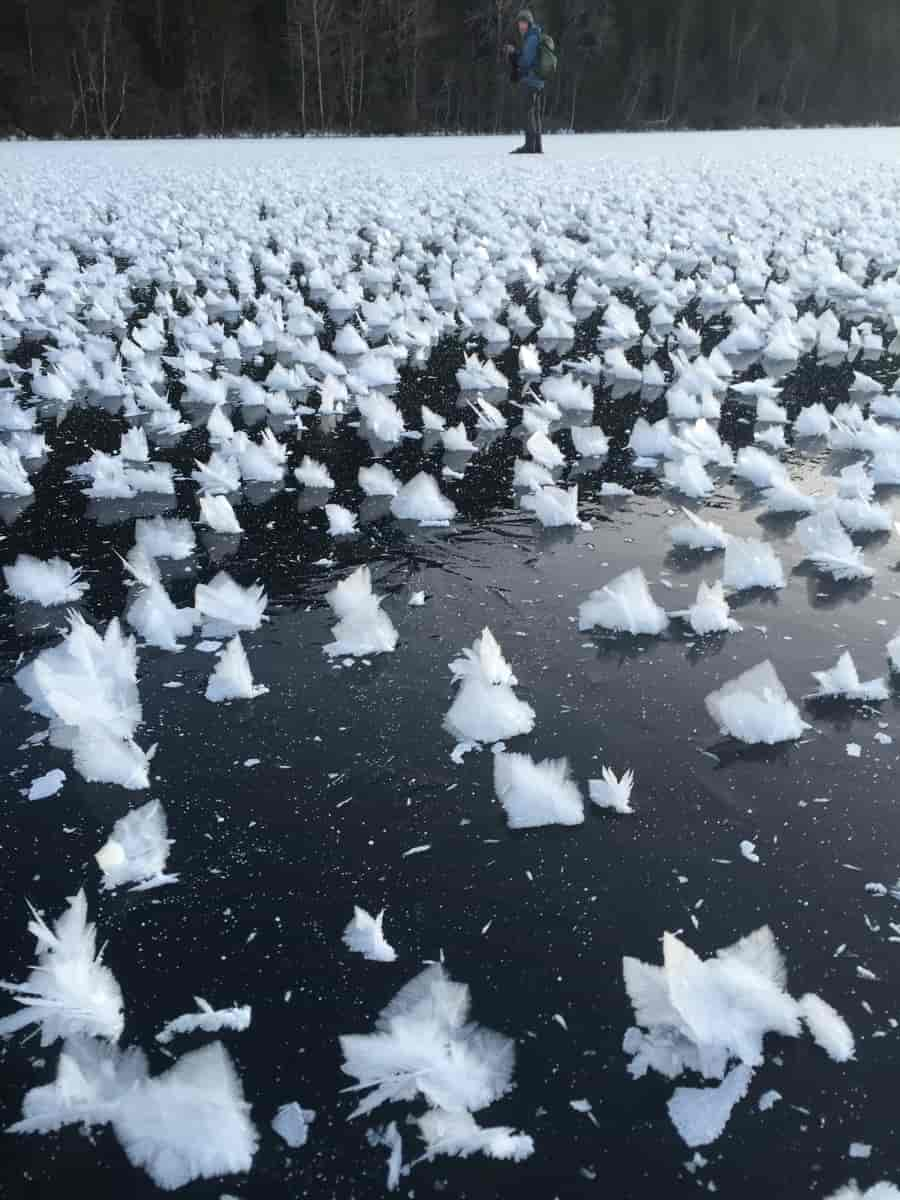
x=528 y=60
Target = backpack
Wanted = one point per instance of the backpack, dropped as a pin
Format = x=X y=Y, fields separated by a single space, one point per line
x=548 y=60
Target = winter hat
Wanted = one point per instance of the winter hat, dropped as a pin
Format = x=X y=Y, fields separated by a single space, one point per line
x=526 y=15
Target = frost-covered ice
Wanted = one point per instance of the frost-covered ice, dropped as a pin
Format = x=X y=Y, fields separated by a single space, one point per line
x=269 y=308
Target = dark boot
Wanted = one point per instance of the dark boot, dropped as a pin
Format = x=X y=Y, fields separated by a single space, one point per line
x=537 y=144
x=522 y=149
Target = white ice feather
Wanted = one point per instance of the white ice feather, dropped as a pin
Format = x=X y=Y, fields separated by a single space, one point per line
x=456 y=439
x=341 y=521
x=91 y=1079
x=13 y=476
x=47 y=583
x=486 y=708
x=555 y=507
x=590 y=441
x=362 y=627
x=421 y=500
x=698 y=534
x=153 y=615
x=377 y=480
x=424 y=1044
x=759 y=468
x=227 y=608
x=314 y=474
x=754 y=707
x=842 y=680
x=190 y=1123
x=537 y=793
x=365 y=935
x=814 y=421
x=137 y=850
x=569 y=394
x=688 y=476
x=750 y=563
x=207 y=1019
x=828 y=1028
x=458 y=1134
x=829 y=548
x=624 y=605
x=165 y=538
x=218 y=514
x=613 y=792
x=292 y=1123
x=710 y=612
x=232 y=678
x=69 y=992
x=701 y=1114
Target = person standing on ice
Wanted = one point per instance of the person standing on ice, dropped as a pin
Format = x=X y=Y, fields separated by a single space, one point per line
x=525 y=64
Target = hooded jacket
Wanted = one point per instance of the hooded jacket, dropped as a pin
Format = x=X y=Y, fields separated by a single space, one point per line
x=527 y=63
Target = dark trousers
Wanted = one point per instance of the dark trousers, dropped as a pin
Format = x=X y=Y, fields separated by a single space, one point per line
x=533 y=116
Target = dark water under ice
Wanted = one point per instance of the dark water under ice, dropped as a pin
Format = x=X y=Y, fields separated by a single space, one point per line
x=288 y=810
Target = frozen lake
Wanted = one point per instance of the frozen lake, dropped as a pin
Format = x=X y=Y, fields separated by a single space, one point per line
x=139 y=283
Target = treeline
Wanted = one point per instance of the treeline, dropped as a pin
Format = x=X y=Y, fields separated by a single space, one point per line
x=136 y=68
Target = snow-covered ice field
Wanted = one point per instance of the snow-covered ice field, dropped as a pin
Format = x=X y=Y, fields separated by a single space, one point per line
x=451 y=653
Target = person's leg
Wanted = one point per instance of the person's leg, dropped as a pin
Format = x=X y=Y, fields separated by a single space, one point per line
x=537 y=146
x=523 y=106
x=534 y=97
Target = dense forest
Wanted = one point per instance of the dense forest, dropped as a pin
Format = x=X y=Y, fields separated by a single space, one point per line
x=128 y=68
